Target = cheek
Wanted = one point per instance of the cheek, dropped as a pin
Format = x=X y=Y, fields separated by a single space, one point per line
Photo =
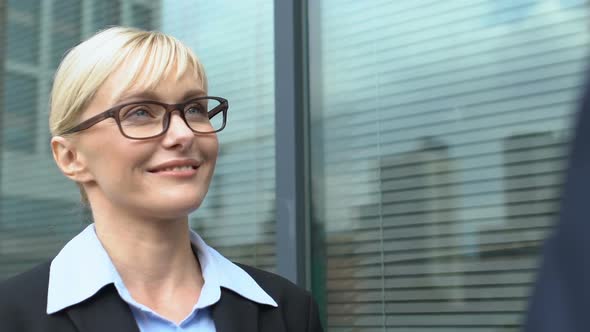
x=113 y=162
x=214 y=148
x=209 y=149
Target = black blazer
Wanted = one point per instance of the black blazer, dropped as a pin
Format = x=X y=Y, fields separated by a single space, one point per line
x=23 y=303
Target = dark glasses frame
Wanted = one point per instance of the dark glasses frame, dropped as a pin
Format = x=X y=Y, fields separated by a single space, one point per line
x=114 y=113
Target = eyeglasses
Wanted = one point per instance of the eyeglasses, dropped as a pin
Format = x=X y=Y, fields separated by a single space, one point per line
x=150 y=119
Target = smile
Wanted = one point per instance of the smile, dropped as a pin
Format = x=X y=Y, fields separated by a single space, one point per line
x=180 y=172
x=182 y=168
x=177 y=168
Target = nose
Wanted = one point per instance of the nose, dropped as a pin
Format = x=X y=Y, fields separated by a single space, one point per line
x=178 y=133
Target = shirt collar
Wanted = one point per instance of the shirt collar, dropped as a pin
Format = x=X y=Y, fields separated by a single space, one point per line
x=83 y=267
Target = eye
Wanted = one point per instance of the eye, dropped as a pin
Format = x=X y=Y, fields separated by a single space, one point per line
x=139 y=112
x=195 y=110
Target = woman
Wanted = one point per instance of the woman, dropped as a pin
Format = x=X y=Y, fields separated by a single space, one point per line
x=133 y=126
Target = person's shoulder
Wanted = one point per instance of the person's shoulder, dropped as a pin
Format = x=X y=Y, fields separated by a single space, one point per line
x=278 y=287
x=23 y=303
x=25 y=292
x=30 y=282
x=298 y=308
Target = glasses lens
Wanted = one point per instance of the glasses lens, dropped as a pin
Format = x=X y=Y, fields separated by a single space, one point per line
x=197 y=115
x=142 y=120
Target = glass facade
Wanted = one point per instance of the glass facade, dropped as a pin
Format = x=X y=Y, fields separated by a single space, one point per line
x=439 y=132
x=437 y=139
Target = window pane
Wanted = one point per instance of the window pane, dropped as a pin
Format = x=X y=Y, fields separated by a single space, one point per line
x=106 y=13
x=23 y=31
x=235 y=43
x=66 y=28
x=20 y=116
x=439 y=135
x=142 y=17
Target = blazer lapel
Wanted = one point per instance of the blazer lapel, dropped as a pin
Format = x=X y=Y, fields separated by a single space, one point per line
x=103 y=312
x=233 y=313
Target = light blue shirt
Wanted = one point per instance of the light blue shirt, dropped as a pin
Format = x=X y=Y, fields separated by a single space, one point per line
x=83 y=267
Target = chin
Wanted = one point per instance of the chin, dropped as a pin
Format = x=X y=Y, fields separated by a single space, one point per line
x=174 y=206
x=168 y=213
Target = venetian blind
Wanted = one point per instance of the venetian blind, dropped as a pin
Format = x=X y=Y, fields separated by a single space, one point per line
x=440 y=130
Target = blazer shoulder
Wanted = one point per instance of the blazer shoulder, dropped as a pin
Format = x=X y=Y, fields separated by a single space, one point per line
x=26 y=286
x=299 y=309
x=278 y=287
x=23 y=301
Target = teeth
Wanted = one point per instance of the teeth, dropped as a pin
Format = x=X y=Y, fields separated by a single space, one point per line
x=178 y=168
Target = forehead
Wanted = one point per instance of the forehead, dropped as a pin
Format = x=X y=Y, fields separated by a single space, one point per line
x=132 y=81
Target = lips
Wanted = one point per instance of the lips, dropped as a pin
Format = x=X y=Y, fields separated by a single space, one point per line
x=176 y=166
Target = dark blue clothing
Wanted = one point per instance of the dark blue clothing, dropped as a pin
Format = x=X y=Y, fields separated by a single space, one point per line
x=561 y=297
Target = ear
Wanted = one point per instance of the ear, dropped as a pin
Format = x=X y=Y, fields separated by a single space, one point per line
x=69 y=160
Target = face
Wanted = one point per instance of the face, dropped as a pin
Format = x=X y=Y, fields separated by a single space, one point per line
x=165 y=177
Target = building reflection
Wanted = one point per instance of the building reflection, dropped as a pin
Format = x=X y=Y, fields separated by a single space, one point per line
x=414 y=252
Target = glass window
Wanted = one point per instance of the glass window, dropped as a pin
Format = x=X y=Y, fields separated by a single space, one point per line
x=66 y=28
x=23 y=31
x=142 y=17
x=20 y=113
x=438 y=135
x=106 y=13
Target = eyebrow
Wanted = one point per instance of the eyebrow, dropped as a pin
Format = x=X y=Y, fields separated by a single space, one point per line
x=151 y=95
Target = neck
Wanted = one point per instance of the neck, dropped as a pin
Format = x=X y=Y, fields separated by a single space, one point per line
x=147 y=249
x=154 y=259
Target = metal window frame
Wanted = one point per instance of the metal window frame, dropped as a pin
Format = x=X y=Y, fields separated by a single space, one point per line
x=3 y=38
x=291 y=145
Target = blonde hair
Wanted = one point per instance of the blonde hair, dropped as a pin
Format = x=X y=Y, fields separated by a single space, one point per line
x=149 y=56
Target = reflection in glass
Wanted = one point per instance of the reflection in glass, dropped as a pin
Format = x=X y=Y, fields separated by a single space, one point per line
x=438 y=140
x=142 y=17
x=106 y=13
x=20 y=113
x=66 y=28
x=23 y=31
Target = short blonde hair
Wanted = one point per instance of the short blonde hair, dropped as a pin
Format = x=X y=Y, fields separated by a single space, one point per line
x=149 y=56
